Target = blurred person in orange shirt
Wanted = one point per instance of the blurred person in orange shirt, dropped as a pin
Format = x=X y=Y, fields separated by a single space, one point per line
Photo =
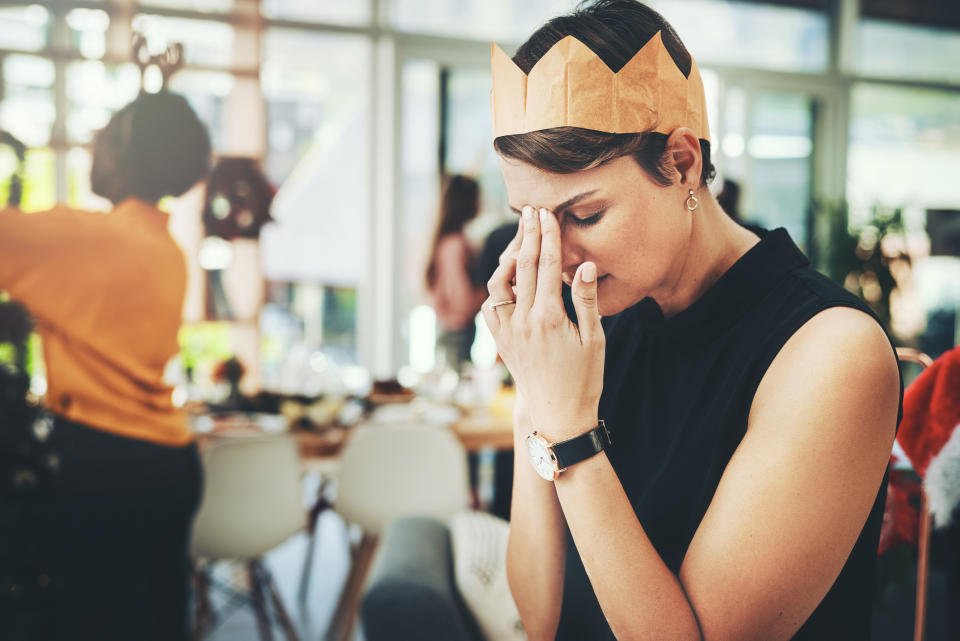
x=106 y=290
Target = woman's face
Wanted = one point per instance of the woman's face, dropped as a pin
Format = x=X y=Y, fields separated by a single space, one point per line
x=635 y=230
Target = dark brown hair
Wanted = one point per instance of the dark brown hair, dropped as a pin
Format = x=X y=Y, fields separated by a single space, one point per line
x=459 y=204
x=615 y=30
x=153 y=147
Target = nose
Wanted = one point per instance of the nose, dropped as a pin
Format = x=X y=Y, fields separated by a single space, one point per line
x=571 y=255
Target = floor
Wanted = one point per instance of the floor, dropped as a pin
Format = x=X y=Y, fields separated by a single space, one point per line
x=328 y=572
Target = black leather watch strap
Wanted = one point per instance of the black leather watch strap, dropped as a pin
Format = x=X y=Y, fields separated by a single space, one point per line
x=580 y=448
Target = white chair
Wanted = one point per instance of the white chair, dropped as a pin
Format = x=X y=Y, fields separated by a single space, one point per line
x=251 y=503
x=387 y=471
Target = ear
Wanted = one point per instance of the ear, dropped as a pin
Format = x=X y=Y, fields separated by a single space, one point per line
x=683 y=148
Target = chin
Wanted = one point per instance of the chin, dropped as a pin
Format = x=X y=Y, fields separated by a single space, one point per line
x=609 y=310
x=612 y=299
x=607 y=303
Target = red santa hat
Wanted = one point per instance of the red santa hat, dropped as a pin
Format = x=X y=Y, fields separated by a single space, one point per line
x=930 y=433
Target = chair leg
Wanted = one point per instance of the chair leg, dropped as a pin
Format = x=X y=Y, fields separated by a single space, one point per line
x=259 y=604
x=345 y=614
x=307 y=568
x=923 y=567
x=288 y=628
x=202 y=610
x=313 y=516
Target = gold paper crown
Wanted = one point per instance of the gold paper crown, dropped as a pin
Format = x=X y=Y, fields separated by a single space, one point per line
x=570 y=86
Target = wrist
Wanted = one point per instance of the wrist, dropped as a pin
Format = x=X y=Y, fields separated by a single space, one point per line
x=560 y=428
x=552 y=457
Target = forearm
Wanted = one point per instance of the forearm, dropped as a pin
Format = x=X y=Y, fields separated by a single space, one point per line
x=536 y=550
x=639 y=595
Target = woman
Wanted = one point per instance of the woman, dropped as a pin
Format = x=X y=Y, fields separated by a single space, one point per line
x=751 y=403
x=107 y=291
x=455 y=298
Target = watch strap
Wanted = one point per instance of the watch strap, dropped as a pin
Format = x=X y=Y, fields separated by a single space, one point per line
x=580 y=448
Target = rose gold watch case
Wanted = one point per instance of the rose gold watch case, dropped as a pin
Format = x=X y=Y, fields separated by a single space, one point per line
x=549 y=449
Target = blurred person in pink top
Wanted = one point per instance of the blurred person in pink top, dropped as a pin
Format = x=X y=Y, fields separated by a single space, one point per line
x=455 y=297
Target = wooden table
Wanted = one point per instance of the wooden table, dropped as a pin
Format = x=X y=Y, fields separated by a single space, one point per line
x=477 y=430
x=482 y=430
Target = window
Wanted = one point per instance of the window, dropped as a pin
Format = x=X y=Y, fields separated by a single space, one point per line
x=904 y=148
x=27 y=109
x=352 y=12
x=205 y=42
x=505 y=20
x=778 y=182
x=25 y=28
x=317 y=90
x=420 y=140
x=891 y=50
x=750 y=34
x=206 y=91
x=208 y=6
x=94 y=92
x=88 y=30
x=28 y=113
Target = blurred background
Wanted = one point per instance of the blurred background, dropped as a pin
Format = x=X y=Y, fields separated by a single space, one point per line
x=836 y=119
x=832 y=116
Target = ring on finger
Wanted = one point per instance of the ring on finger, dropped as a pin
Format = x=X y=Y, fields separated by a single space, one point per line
x=502 y=302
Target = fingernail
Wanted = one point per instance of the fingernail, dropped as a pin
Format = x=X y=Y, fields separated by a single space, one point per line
x=589 y=273
x=528 y=213
x=543 y=215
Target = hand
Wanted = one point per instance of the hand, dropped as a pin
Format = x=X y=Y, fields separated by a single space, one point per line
x=557 y=364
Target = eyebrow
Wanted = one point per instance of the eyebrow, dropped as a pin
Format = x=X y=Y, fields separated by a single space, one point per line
x=570 y=202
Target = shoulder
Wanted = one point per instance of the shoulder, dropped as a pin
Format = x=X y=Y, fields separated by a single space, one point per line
x=840 y=359
x=452 y=240
x=61 y=214
x=452 y=245
x=59 y=228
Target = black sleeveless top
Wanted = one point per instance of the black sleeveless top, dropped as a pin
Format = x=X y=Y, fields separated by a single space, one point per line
x=676 y=396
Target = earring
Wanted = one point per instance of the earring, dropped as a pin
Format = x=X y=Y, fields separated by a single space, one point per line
x=692 y=202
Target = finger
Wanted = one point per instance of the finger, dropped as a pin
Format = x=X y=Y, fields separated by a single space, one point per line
x=527 y=259
x=500 y=289
x=490 y=317
x=584 y=293
x=548 y=296
x=510 y=252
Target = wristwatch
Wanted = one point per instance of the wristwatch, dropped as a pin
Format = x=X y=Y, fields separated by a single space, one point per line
x=549 y=459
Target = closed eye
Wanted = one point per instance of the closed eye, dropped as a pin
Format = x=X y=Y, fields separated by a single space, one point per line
x=586 y=221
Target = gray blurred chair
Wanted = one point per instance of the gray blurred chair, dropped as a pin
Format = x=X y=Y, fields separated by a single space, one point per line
x=251 y=504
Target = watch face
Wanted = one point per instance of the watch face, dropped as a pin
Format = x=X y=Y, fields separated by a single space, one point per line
x=540 y=457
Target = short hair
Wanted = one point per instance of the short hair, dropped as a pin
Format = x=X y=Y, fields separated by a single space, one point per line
x=615 y=30
x=162 y=147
